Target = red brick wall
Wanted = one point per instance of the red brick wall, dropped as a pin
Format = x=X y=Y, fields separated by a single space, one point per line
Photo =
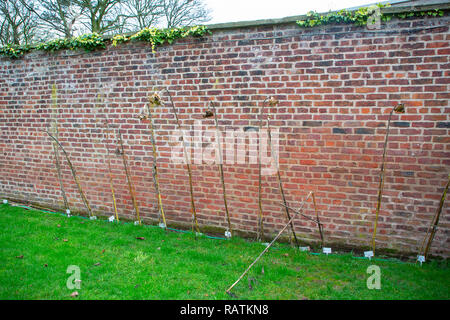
x=336 y=86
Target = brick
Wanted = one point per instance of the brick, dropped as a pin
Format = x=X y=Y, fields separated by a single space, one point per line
x=335 y=90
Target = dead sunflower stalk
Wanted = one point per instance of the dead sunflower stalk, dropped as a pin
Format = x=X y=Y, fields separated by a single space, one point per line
x=434 y=223
x=186 y=158
x=127 y=173
x=154 y=101
x=55 y=148
x=274 y=102
x=74 y=174
x=108 y=161
x=207 y=115
x=400 y=108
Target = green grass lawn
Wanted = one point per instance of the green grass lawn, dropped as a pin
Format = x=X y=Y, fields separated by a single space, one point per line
x=116 y=265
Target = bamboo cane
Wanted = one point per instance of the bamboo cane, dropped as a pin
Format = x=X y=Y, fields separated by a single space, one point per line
x=155 y=168
x=260 y=211
x=270 y=244
x=127 y=173
x=111 y=184
x=400 y=109
x=317 y=220
x=55 y=148
x=221 y=167
x=107 y=158
x=188 y=166
x=74 y=174
x=434 y=223
x=280 y=184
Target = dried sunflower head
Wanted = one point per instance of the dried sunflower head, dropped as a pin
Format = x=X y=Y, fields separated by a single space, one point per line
x=273 y=102
x=208 y=114
x=155 y=99
x=400 y=108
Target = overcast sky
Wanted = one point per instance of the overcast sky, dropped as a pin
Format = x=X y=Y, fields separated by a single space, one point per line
x=242 y=10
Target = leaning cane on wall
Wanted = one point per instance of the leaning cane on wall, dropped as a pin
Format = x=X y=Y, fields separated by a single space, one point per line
x=188 y=166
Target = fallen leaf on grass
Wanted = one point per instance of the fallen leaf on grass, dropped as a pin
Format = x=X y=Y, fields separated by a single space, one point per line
x=103 y=251
x=65 y=240
x=286 y=254
x=97 y=264
x=45 y=265
x=137 y=286
x=59 y=226
x=140 y=238
x=20 y=257
x=74 y=294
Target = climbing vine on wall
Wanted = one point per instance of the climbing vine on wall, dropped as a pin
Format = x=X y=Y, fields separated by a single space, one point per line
x=158 y=37
x=361 y=16
x=93 y=41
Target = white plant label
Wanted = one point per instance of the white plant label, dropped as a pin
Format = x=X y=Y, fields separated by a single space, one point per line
x=228 y=234
x=368 y=254
x=5 y=201
x=304 y=249
x=93 y=218
x=111 y=219
x=68 y=211
x=162 y=225
x=136 y=223
x=198 y=234
x=327 y=250
x=421 y=259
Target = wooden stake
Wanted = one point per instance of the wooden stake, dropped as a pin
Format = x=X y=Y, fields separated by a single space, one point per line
x=270 y=244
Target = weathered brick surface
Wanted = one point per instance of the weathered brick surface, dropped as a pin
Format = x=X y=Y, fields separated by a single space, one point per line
x=336 y=86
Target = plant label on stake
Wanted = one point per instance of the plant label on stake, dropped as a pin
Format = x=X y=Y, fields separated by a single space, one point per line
x=5 y=201
x=111 y=219
x=368 y=254
x=93 y=218
x=304 y=248
x=136 y=223
x=327 y=250
x=421 y=259
x=162 y=225
x=228 y=234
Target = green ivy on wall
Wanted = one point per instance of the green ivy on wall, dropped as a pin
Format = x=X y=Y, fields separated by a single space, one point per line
x=158 y=37
x=360 y=17
x=93 y=41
